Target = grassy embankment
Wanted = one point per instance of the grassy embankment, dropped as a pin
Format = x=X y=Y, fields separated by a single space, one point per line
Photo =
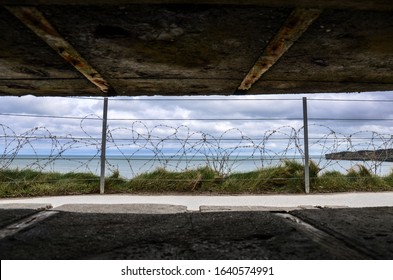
x=286 y=178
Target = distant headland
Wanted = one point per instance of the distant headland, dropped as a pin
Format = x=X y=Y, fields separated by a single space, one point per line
x=363 y=155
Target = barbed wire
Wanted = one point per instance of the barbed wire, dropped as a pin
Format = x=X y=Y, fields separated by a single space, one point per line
x=97 y=118
x=144 y=148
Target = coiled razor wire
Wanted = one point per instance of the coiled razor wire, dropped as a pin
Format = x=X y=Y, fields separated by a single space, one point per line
x=179 y=147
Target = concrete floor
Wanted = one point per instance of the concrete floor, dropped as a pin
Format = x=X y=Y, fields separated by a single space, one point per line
x=195 y=202
x=163 y=231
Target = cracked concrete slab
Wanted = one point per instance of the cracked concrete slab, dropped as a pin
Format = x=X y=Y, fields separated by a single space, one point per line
x=123 y=208
x=208 y=208
x=370 y=229
x=201 y=235
x=230 y=235
x=13 y=212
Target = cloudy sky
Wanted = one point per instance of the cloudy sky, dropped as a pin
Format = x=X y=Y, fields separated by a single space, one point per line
x=238 y=120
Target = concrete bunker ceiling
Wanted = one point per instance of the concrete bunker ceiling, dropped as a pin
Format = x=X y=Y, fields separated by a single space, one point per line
x=101 y=48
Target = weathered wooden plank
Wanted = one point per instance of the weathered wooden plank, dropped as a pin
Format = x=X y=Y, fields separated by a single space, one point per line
x=174 y=87
x=226 y=87
x=306 y=86
x=177 y=87
x=126 y=87
x=49 y=87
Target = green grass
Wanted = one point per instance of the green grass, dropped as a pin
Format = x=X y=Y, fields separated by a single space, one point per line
x=24 y=183
x=286 y=178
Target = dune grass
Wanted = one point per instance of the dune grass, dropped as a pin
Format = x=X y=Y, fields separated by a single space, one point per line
x=285 y=178
x=25 y=183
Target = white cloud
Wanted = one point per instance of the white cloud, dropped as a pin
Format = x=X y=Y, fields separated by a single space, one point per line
x=236 y=112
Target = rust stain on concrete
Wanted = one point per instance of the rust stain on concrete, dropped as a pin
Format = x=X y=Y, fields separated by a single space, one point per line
x=36 y=21
x=296 y=24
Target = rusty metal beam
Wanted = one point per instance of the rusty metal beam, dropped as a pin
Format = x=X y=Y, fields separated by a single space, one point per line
x=36 y=21
x=296 y=24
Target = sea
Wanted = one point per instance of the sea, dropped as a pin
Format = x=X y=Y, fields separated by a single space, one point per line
x=129 y=167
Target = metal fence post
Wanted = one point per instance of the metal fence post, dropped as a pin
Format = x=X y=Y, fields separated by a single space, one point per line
x=103 y=145
x=306 y=154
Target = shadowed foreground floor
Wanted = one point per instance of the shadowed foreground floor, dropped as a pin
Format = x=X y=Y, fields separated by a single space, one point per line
x=170 y=232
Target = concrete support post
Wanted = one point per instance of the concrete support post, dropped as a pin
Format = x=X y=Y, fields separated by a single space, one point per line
x=306 y=154
x=103 y=145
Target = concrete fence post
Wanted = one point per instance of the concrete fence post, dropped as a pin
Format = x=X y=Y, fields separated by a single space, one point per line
x=103 y=145
x=306 y=154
